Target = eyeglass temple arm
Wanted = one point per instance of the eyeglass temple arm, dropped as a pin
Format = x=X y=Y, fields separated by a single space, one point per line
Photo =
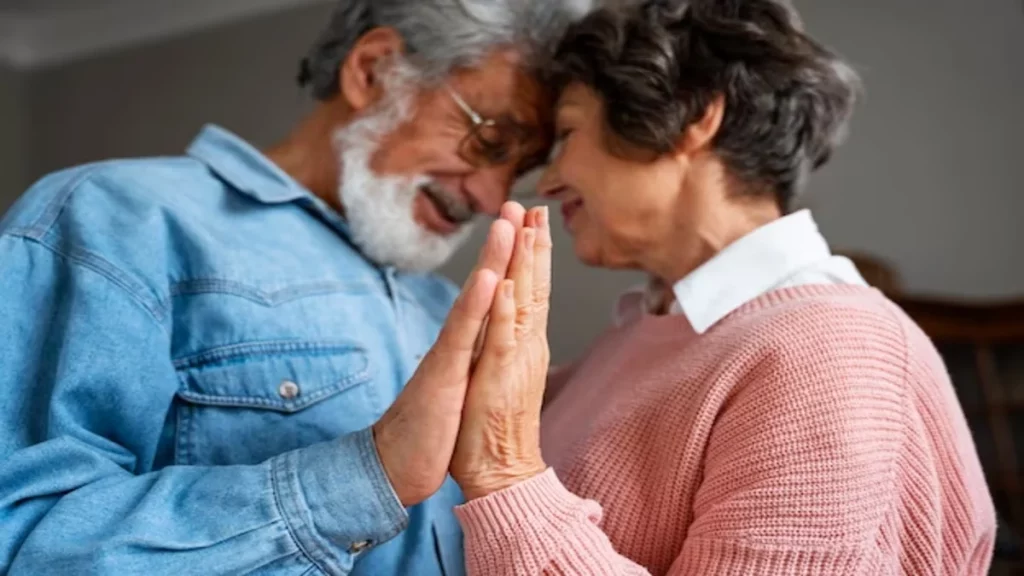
x=477 y=119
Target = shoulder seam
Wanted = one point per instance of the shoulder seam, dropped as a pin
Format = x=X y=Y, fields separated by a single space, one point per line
x=885 y=307
x=155 y=309
x=88 y=173
x=46 y=220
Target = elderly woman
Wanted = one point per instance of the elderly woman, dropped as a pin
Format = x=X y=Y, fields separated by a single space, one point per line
x=759 y=410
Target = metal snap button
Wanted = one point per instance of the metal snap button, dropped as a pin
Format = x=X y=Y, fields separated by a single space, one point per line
x=358 y=547
x=288 y=390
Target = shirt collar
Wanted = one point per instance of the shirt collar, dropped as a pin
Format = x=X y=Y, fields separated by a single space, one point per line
x=244 y=167
x=750 y=267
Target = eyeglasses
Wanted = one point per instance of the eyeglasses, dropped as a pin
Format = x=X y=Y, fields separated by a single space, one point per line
x=490 y=141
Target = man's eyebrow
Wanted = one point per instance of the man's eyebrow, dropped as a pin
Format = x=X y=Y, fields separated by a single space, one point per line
x=526 y=108
x=528 y=126
x=512 y=114
x=523 y=117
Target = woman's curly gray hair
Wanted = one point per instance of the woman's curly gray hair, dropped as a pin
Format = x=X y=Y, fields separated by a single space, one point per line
x=658 y=64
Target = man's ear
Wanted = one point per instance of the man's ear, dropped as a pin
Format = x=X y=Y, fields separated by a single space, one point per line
x=358 y=77
x=701 y=133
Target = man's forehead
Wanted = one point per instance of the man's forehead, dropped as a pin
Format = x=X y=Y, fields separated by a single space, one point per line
x=499 y=84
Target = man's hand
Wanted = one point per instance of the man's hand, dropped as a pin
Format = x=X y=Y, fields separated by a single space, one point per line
x=416 y=437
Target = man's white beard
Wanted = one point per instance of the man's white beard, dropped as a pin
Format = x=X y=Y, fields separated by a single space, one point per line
x=379 y=209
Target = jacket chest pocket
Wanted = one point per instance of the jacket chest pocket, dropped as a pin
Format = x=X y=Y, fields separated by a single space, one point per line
x=245 y=403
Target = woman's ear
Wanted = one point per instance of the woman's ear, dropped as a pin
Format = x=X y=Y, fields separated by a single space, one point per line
x=701 y=133
x=358 y=77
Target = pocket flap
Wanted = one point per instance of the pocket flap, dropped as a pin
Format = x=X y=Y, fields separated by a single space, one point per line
x=280 y=376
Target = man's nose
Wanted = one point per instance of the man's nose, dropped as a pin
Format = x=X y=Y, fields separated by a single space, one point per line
x=489 y=187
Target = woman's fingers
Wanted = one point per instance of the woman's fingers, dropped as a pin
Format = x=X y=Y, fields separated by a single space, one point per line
x=521 y=271
x=539 y=220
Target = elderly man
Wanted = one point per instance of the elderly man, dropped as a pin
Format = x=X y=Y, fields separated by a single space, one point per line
x=200 y=357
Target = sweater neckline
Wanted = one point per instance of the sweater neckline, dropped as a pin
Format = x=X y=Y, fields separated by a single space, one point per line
x=679 y=326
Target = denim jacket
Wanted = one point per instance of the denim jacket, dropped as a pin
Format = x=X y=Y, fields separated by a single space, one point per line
x=191 y=355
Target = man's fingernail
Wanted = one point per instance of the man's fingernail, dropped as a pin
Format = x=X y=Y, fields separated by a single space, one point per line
x=528 y=237
x=508 y=288
x=542 y=216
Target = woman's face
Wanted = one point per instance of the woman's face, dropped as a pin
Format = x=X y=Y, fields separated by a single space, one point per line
x=620 y=212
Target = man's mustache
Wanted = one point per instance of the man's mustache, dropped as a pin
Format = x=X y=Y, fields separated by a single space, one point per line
x=456 y=209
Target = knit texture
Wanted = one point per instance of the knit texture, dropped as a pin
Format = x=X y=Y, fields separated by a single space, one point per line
x=812 y=431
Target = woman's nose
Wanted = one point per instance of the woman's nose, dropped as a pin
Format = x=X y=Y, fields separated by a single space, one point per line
x=550 y=182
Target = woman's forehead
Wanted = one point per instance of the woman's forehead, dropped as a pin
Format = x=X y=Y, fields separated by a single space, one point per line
x=575 y=95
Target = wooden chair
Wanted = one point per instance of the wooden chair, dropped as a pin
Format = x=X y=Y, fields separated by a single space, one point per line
x=876 y=272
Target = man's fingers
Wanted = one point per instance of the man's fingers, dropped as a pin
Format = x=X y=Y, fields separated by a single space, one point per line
x=500 y=343
x=478 y=348
x=496 y=255
x=514 y=213
x=543 y=245
x=459 y=333
x=497 y=251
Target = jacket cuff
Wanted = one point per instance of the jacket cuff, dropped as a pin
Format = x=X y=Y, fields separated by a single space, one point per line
x=337 y=500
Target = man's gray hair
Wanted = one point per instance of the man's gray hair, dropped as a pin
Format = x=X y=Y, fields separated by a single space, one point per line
x=440 y=35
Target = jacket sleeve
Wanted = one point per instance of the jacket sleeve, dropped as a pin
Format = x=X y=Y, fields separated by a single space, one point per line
x=86 y=385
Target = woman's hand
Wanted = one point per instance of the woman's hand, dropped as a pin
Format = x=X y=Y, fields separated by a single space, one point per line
x=499 y=439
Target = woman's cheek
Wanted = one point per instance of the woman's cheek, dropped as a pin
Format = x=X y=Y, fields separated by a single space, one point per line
x=586 y=250
x=590 y=240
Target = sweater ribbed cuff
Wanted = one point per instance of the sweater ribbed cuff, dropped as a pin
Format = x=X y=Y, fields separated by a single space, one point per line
x=520 y=529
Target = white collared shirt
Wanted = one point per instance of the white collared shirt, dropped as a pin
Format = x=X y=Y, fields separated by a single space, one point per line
x=786 y=253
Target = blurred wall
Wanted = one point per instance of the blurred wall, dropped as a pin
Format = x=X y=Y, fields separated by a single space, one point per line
x=153 y=99
x=12 y=136
x=933 y=174
x=930 y=177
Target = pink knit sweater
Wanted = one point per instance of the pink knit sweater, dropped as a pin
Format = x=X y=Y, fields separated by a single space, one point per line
x=812 y=431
